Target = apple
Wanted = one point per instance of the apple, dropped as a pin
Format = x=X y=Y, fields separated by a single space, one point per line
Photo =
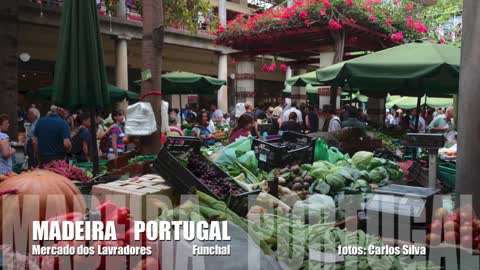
x=450 y=226
x=451 y=237
x=440 y=213
x=454 y=216
x=466 y=231
x=433 y=239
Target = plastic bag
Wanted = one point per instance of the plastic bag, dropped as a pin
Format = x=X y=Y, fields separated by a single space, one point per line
x=334 y=155
x=164 y=128
x=234 y=150
x=140 y=120
x=249 y=161
x=321 y=150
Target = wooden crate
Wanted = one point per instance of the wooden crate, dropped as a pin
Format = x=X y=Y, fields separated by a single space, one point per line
x=134 y=193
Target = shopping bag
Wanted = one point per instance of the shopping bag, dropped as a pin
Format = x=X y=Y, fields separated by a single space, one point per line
x=334 y=155
x=140 y=120
x=321 y=150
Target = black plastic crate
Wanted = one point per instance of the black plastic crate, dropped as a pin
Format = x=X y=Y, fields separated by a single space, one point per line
x=272 y=154
x=184 y=181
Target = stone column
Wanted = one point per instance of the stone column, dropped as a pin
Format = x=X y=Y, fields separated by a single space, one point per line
x=468 y=128
x=121 y=9
x=245 y=79
x=376 y=110
x=222 y=95
x=121 y=67
x=299 y=93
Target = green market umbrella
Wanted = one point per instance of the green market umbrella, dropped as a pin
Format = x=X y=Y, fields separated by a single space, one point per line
x=186 y=83
x=304 y=79
x=355 y=97
x=116 y=94
x=411 y=69
x=80 y=77
x=409 y=103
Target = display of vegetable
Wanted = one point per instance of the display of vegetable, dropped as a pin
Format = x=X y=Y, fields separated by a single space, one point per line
x=212 y=177
x=69 y=171
x=388 y=142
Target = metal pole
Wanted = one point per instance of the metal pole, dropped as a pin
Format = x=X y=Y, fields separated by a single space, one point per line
x=93 y=131
x=432 y=168
x=417 y=115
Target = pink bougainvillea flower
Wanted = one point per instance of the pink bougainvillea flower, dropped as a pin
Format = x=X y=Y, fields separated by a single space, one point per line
x=326 y=4
x=323 y=12
x=442 y=41
x=397 y=37
x=349 y=2
x=410 y=24
x=420 y=27
x=283 y=67
x=265 y=68
x=239 y=17
x=272 y=67
x=409 y=7
x=303 y=15
x=220 y=29
x=373 y=18
x=334 y=25
x=284 y=22
x=234 y=62
x=307 y=22
x=396 y=2
x=389 y=21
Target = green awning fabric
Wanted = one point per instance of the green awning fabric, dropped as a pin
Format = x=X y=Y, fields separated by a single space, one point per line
x=310 y=89
x=80 y=77
x=116 y=94
x=411 y=69
x=357 y=97
x=408 y=103
x=304 y=79
x=187 y=83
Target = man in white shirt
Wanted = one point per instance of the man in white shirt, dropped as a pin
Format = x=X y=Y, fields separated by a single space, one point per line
x=292 y=109
x=334 y=124
x=421 y=122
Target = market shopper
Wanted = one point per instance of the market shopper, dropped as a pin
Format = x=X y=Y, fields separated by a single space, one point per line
x=249 y=110
x=439 y=124
x=201 y=129
x=421 y=122
x=276 y=121
x=216 y=114
x=334 y=123
x=353 y=121
x=7 y=152
x=244 y=127
x=51 y=137
x=82 y=141
x=292 y=123
x=116 y=135
x=33 y=115
x=293 y=108
x=311 y=119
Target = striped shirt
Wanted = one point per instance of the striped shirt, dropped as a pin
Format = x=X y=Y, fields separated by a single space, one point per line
x=116 y=129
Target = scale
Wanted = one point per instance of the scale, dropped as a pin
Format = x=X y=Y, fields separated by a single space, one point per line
x=393 y=209
x=431 y=142
x=399 y=206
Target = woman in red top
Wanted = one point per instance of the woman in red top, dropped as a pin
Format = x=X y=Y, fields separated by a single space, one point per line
x=244 y=126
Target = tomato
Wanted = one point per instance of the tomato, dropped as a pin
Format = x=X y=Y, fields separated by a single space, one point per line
x=466 y=230
x=436 y=227
x=450 y=226
x=106 y=209
x=451 y=237
x=454 y=216
x=433 y=239
x=440 y=213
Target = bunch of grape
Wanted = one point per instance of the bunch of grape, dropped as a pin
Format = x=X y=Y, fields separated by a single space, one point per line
x=212 y=177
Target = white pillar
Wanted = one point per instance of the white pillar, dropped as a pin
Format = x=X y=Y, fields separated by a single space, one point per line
x=121 y=68
x=299 y=93
x=245 y=80
x=121 y=9
x=222 y=95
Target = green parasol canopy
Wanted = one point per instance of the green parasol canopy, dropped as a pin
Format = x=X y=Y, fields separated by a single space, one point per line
x=304 y=79
x=410 y=69
x=408 y=103
x=185 y=83
x=116 y=94
x=80 y=76
x=356 y=97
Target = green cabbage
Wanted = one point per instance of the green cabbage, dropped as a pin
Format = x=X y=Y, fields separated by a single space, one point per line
x=335 y=181
x=377 y=175
x=362 y=159
x=375 y=163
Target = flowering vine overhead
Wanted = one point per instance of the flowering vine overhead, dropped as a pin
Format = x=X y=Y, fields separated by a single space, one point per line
x=396 y=19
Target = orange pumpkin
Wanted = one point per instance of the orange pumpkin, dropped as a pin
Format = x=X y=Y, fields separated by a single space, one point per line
x=54 y=195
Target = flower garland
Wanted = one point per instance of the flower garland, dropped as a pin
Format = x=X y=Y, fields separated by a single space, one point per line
x=396 y=19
